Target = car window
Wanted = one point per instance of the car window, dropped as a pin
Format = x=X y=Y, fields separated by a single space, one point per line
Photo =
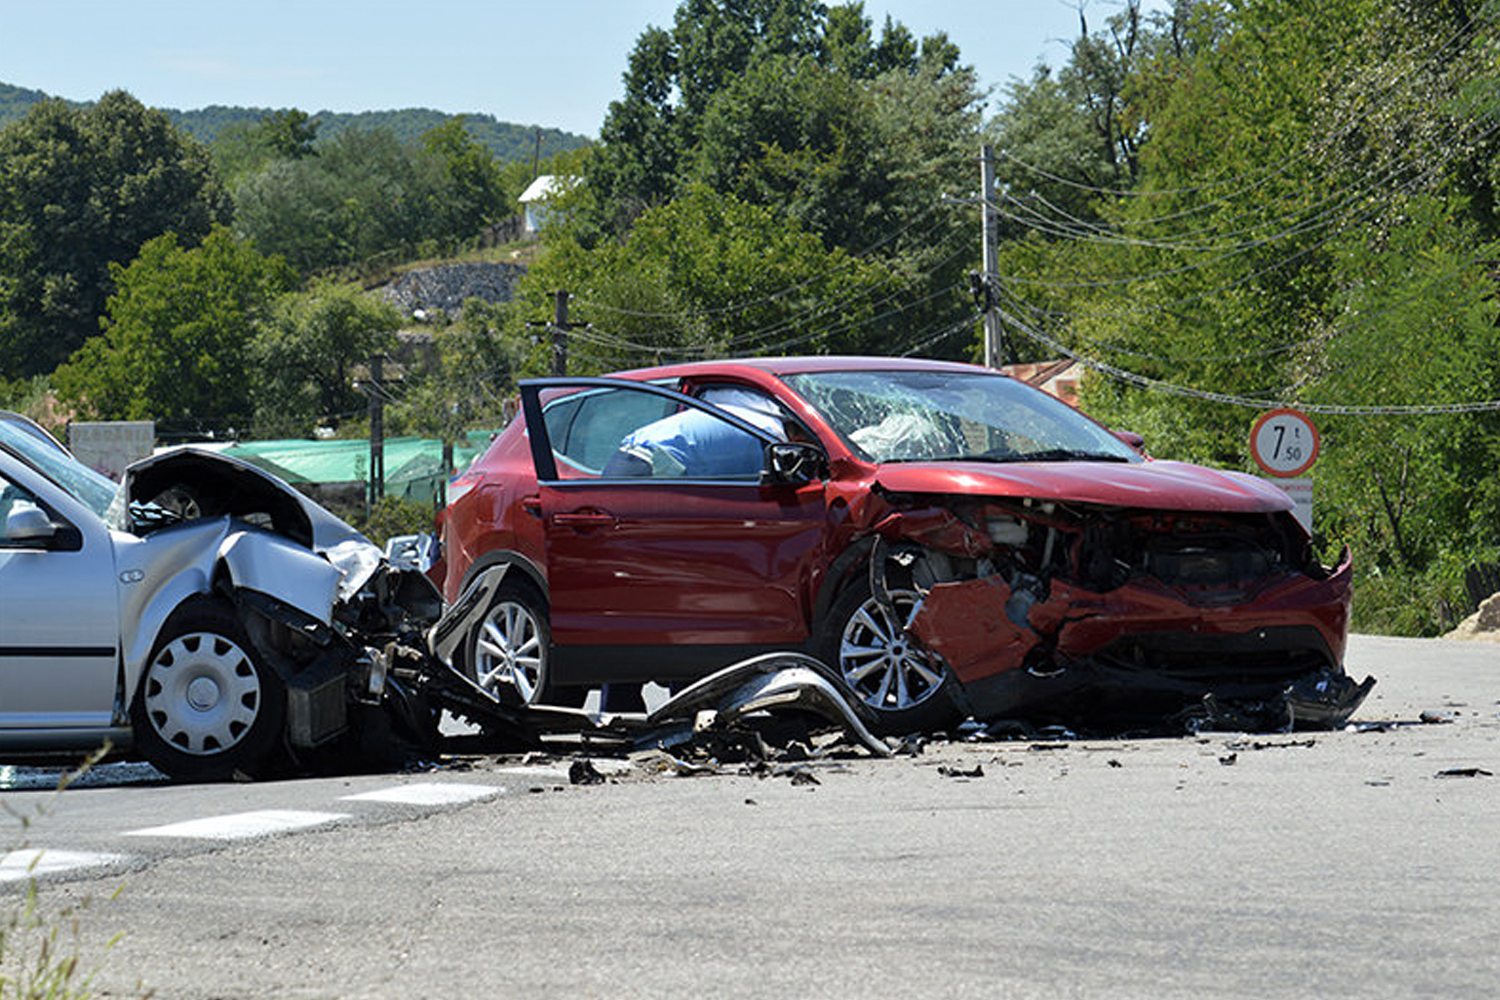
x=758 y=406
x=585 y=429
x=630 y=433
x=14 y=500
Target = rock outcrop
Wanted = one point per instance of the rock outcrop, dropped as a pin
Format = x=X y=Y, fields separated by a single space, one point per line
x=1483 y=624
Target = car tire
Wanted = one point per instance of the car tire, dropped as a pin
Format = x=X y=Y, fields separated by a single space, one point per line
x=509 y=653
x=906 y=688
x=207 y=705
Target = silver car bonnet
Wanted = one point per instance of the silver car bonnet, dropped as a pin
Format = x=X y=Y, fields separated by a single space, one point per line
x=203 y=483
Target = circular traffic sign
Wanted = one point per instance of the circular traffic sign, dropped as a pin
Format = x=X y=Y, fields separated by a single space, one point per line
x=1284 y=443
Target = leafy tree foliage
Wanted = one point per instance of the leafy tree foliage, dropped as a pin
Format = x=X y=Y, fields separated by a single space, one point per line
x=1304 y=215
x=476 y=189
x=709 y=275
x=800 y=109
x=82 y=189
x=773 y=100
x=479 y=358
x=367 y=197
x=246 y=147
x=176 y=347
x=302 y=353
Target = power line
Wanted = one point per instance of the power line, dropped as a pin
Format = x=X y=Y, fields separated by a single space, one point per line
x=1249 y=402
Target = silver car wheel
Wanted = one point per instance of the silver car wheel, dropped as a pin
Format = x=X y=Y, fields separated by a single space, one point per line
x=202 y=693
x=880 y=663
x=509 y=650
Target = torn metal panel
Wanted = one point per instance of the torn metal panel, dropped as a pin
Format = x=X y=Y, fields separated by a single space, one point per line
x=1325 y=701
x=969 y=626
x=768 y=683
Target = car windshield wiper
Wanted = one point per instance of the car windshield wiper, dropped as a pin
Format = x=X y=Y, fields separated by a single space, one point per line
x=1062 y=455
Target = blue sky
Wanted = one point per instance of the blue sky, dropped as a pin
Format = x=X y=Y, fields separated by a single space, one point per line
x=541 y=62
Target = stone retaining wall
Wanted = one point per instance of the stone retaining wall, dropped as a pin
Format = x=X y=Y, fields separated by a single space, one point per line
x=447 y=286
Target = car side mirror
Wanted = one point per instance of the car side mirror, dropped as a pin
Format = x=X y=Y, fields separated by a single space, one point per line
x=792 y=463
x=1133 y=439
x=29 y=525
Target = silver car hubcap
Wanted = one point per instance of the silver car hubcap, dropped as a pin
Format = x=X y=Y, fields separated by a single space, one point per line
x=509 y=651
x=881 y=665
x=202 y=693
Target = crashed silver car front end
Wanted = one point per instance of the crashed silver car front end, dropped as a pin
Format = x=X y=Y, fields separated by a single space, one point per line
x=316 y=598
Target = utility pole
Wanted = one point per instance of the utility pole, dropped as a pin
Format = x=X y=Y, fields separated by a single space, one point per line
x=560 y=328
x=994 y=336
x=377 y=429
x=560 y=333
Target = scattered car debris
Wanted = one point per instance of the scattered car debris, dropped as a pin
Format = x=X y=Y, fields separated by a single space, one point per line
x=583 y=772
x=1238 y=745
x=1465 y=772
x=977 y=771
x=1229 y=759
x=1433 y=718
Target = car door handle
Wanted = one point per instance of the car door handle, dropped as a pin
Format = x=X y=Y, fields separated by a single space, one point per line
x=586 y=519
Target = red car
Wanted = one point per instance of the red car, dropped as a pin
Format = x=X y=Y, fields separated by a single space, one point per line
x=948 y=540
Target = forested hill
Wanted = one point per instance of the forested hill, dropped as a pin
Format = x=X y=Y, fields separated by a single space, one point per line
x=507 y=140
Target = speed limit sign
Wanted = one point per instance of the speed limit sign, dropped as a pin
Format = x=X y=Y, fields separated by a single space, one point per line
x=1284 y=443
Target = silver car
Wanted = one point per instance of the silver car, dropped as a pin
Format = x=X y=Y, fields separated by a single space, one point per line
x=202 y=614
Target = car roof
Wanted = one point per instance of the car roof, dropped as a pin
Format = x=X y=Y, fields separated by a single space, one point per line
x=800 y=366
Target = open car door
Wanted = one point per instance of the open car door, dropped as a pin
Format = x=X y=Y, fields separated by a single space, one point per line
x=669 y=536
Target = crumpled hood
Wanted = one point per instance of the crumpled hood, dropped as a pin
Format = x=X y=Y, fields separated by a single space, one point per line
x=221 y=485
x=1154 y=485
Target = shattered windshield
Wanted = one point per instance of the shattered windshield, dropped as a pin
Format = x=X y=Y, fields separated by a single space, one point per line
x=88 y=487
x=914 y=415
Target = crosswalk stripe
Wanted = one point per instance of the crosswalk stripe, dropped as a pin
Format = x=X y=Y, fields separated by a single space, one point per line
x=241 y=826
x=427 y=794
x=29 y=862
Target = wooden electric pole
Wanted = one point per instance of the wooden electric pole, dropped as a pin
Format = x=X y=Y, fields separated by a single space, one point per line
x=994 y=335
x=560 y=333
x=377 y=429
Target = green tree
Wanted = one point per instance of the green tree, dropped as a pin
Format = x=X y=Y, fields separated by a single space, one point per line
x=302 y=353
x=476 y=194
x=365 y=194
x=82 y=189
x=244 y=148
x=769 y=99
x=480 y=356
x=176 y=347
x=368 y=198
x=707 y=276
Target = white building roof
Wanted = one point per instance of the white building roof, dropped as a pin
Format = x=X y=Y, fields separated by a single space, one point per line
x=545 y=186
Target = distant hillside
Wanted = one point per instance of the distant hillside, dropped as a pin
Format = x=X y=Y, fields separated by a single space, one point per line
x=507 y=140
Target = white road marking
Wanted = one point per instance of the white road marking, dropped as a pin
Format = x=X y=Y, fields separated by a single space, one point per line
x=559 y=772
x=241 y=826
x=427 y=794
x=23 y=864
x=534 y=771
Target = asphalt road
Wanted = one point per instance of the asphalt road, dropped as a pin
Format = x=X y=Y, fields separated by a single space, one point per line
x=1362 y=863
